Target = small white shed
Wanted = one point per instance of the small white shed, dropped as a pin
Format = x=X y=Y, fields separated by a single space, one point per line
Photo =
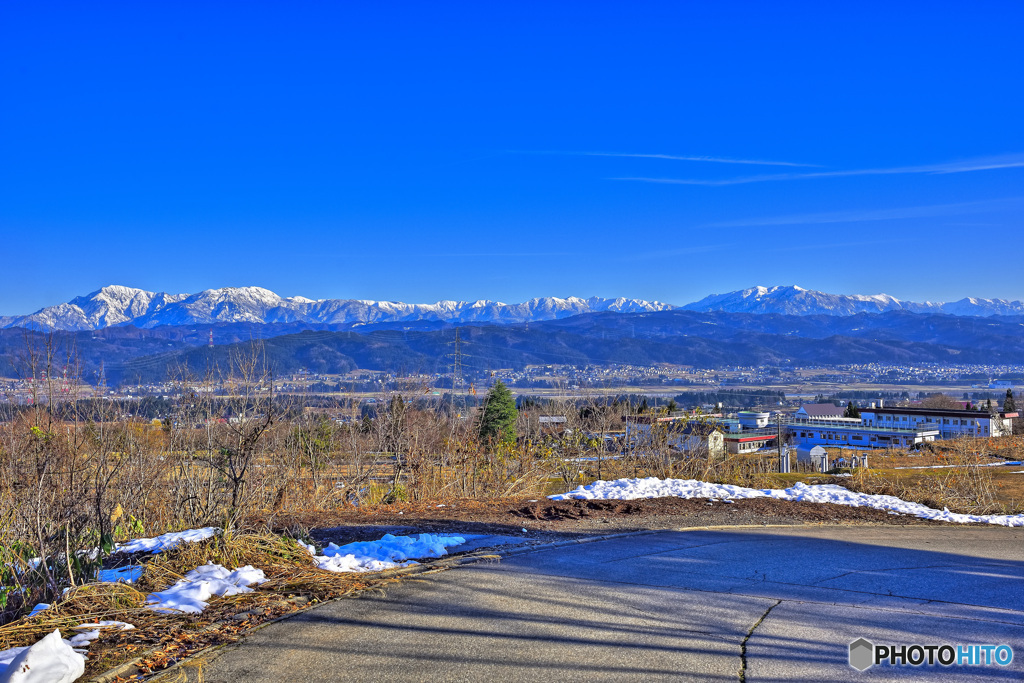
x=816 y=455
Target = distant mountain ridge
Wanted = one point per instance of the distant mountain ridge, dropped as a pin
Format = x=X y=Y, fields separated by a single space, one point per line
x=117 y=305
x=127 y=354
x=793 y=300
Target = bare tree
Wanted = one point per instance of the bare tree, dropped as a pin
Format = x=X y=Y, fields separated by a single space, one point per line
x=236 y=438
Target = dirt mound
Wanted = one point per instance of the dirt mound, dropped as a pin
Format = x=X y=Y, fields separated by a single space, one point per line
x=545 y=520
x=575 y=509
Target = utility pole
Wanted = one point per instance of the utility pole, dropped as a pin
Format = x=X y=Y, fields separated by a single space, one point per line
x=783 y=455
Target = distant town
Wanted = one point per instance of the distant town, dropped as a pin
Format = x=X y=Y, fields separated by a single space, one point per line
x=662 y=381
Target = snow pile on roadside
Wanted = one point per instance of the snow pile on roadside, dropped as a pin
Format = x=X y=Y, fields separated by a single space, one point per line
x=202 y=583
x=166 y=541
x=387 y=553
x=53 y=659
x=651 y=487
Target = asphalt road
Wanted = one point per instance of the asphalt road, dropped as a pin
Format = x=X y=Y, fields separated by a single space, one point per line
x=767 y=604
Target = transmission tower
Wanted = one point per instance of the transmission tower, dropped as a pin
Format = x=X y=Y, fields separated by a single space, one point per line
x=101 y=382
x=456 y=357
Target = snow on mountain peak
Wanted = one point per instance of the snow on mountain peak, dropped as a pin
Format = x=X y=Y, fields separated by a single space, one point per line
x=794 y=300
x=119 y=305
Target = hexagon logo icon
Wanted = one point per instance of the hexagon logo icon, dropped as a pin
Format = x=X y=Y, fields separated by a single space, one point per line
x=862 y=654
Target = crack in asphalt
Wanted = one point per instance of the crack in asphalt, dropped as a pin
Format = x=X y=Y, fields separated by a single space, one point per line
x=743 y=645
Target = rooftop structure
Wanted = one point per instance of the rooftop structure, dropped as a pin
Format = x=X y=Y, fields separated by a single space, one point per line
x=812 y=411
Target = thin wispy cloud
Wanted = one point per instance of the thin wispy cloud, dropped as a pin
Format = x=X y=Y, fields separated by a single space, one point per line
x=930 y=211
x=669 y=157
x=716 y=160
x=531 y=254
x=835 y=245
x=965 y=166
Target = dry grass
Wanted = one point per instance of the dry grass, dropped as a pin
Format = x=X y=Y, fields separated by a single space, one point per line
x=289 y=568
x=271 y=553
x=293 y=580
x=89 y=603
x=960 y=480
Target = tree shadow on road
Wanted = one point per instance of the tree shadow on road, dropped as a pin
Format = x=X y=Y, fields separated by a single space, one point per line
x=669 y=605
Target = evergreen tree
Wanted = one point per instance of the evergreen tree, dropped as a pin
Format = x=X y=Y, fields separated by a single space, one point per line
x=498 y=419
x=851 y=410
x=1008 y=404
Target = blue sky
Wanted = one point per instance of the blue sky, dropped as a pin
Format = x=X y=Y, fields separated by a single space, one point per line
x=420 y=151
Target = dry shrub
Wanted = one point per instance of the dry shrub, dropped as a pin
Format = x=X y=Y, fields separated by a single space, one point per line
x=966 y=487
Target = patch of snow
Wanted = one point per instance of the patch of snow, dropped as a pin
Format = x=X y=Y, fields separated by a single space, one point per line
x=51 y=660
x=41 y=607
x=651 y=487
x=129 y=574
x=387 y=553
x=7 y=656
x=190 y=595
x=166 y=541
x=82 y=640
x=119 y=625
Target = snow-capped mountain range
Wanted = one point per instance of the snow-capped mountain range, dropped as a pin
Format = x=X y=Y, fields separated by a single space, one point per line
x=117 y=305
x=793 y=300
